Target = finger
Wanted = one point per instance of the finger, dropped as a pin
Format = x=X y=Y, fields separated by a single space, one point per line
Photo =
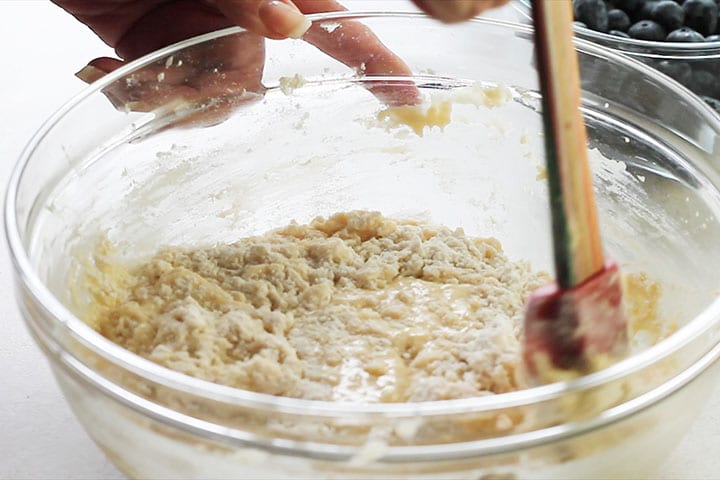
x=139 y=92
x=355 y=45
x=199 y=86
x=456 y=10
x=158 y=72
x=270 y=18
x=98 y=68
x=183 y=104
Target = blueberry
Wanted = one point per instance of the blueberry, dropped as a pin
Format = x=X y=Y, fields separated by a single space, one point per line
x=680 y=71
x=712 y=38
x=701 y=15
x=628 y=6
x=618 y=33
x=647 y=30
x=713 y=102
x=668 y=14
x=618 y=20
x=684 y=34
x=592 y=13
x=705 y=83
x=644 y=12
x=712 y=66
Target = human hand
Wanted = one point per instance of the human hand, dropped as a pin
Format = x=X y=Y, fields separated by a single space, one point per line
x=456 y=10
x=137 y=27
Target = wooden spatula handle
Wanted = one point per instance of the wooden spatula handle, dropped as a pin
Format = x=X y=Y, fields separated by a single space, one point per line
x=576 y=235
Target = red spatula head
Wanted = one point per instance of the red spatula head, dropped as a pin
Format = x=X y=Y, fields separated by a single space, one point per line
x=574 y=331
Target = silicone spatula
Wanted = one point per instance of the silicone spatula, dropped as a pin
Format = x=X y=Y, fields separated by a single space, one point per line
x=575 y=325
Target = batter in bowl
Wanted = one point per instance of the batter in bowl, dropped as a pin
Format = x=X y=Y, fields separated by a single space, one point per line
x=355 y=307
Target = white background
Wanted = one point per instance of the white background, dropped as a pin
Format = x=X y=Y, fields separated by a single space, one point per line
x=40 y=48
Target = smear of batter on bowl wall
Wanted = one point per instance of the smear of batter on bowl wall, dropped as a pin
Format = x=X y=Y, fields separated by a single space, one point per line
x=438 y=112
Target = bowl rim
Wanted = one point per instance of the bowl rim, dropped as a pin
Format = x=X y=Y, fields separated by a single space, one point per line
x=659 y=48
x=94 y=341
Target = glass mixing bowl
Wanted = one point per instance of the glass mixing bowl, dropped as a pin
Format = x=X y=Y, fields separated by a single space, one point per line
x=207 y=141
x=695 y=65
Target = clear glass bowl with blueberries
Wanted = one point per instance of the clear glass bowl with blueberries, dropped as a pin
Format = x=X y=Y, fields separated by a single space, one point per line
x=681 y=38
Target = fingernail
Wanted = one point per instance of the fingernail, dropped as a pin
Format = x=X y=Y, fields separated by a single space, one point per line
x=283 y=19
x=89 y=74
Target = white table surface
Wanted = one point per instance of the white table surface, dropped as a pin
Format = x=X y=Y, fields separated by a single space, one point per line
x=40 y=49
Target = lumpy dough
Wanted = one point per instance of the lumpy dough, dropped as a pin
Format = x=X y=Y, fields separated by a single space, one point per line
x=355 y=307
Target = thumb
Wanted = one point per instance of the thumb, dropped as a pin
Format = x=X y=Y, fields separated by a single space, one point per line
x=456 y=10
x=270 y=18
